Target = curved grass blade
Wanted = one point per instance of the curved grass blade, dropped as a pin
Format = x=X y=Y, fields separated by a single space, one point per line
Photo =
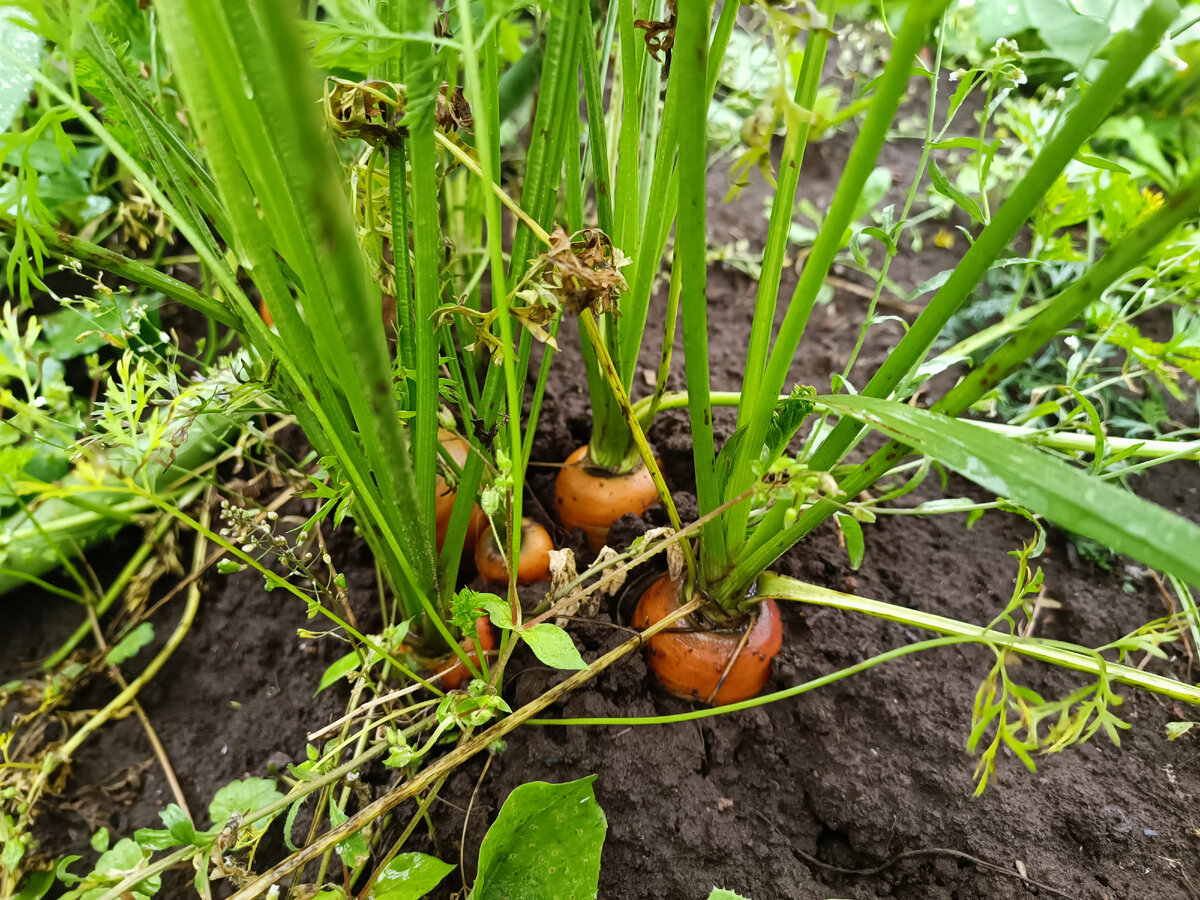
x=1065 y=495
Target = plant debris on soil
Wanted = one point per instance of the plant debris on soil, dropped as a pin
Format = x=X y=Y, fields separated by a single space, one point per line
x=868 y=775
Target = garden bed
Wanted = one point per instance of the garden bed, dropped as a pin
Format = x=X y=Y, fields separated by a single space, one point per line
x=777 y=801
x=860 y=789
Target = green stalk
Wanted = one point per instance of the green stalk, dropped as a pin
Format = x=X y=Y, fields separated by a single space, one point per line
x=422 y=80
x=401 y=264
x=761 y=699
x=499 y=293
x=807 y=85
x=662 y=200
x=647 y=410
x=1130 y=49
x=251 y=139
x=610 y=441
x=626 y=210
x=68 y=246
x=891 y=89
x=690 y=62
x=1059 y=653
x=534 y=212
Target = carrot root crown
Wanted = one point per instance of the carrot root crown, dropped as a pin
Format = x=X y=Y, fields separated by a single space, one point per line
x=708 y=666
x=592 y=501
x=458 y=448
x=534 y=564
x=486 y=641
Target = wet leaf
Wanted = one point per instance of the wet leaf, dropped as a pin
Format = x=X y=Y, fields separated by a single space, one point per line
x=546 y=842
x=353 y=850
x=409 y=876
x=21 y=45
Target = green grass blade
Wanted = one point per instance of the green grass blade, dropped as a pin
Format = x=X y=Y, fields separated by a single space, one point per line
x=422 y=78
x=807 y=85
x=1065 y=495
x=691 y=243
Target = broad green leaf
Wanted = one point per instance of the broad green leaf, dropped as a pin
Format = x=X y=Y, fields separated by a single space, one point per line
x=546 y=842
x=20 y=45
x=130 y=645
x=100 y=840
x=178 y=824
x=123 y=858
x=1062 y=493
x=496 y=608
x=552 y=646
x=722 y=894
x=353 y=850
x=548 y=642
x=242 y=797
x=409 y=876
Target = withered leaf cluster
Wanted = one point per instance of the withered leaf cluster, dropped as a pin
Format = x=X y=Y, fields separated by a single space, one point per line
x=373 y=110
x=660 y=36
x=585 y=272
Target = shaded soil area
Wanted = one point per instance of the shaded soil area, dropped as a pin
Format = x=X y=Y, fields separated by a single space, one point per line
x=869 y=773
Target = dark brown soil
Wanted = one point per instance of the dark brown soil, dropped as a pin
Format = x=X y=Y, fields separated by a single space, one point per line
x=869 y=773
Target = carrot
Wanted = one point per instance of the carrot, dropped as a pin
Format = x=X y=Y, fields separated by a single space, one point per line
x=591 y=499
x=697 y=663
x=534 y=564
x=486 y=640
x=458 y=448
